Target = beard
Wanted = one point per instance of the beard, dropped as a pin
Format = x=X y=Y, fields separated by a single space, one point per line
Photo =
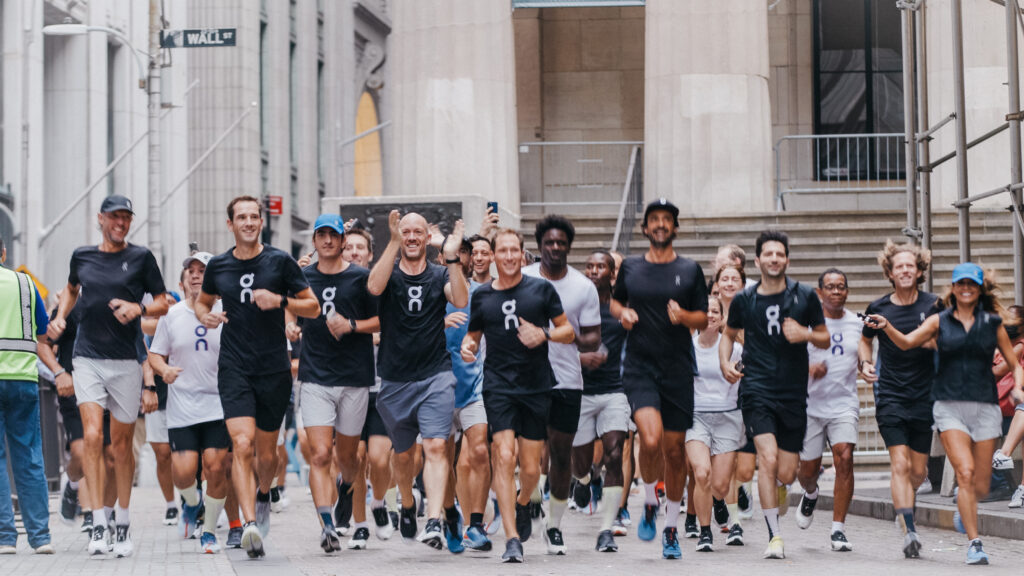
x=660 y=244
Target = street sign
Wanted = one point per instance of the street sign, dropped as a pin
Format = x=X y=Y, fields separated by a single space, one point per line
x=197 y=38
x=43 y=291
x=275 y=205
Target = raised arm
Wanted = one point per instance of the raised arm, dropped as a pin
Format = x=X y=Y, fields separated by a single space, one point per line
x=925 y=332
x=381 y=272
x=457 y=289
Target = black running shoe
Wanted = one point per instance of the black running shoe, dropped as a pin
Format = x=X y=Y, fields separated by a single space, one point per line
x=735 y=537
x=433 y=534
x=234 y=537
x=171 y=517
x=840 y=543
x=742 y=498
x=554 y=541
x=536 y=509
x=690 y=526
x=343 y=508
x=721 y=513
x=87 y=522
x=705 y=543
x=581 y=495
x=513 y=551
x=407 y=523
x=606 y=542
x=68 y=503
x=524 y=522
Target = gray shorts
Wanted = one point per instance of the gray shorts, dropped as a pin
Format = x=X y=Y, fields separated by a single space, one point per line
x=721 y=432
x=156 y=427
x=839 y=430
x=421 y=407
x=600 y=414
x=980 y=420
x=468 y=416
x=343 y=407
x=113 y=384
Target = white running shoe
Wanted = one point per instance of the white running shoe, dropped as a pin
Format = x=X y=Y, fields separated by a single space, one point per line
x=1017 y=500
x=1001 y=461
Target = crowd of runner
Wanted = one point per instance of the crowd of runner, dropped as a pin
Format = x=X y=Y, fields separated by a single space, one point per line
x=429 y=391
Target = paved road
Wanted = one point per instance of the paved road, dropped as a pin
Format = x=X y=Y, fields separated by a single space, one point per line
x=293 y=550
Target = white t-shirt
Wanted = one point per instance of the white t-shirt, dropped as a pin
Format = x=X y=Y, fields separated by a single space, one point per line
x=711 y=391
x=583 y=308
x=836 y=393
x=193 y=397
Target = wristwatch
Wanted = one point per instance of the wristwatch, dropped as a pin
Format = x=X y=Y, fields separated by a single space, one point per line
x=352 y=323
x=452 y=260
x=149 y=388
x=547 y=333
x=142 y=309
x=284 y=301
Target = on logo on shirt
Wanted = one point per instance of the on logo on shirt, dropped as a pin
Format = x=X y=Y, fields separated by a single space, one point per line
x=508 y=308
x=772 y=313
x=201 y=340
x=837 y=350
x=328 y=297
x=246 y=283
x=415 y=298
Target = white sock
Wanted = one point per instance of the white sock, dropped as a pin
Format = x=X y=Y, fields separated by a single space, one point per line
x=612 y=496
x=811 y=495
x=584 y=480
x=213 y=508
x=189 y=493
x=374 y=504
x=363 y=524
x=107 y=511
x=72 y=485
x=651 y=493
x=838 y=527
x=556 y=508
x=672 y=513
x=122 y=517
x=771 y=517
x=171 y=504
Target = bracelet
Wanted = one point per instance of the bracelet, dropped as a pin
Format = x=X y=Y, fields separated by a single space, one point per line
x=142 y=309
x=284 y=301
x=452 y=260
x=547 y=333
x=149 y=388
x=59 y=372
x=352 y=323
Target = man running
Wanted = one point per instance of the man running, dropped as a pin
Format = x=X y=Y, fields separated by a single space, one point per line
x=554 y=236
x=604 y=408
x=903 y=379
x=417 y=384
x=513 y=313
x=659 y=297
x=833 y=409
x=335 y=370
x=256 y=284
x=779 y=317
x=108 y=374
x=184 y=354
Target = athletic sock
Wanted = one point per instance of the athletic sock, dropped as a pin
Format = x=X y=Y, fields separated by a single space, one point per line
x=374 y=504
x=98 y=519
x=189 y=493
x=123 y=519
x=72 y=485
x=170 y=504
x=838 y=527
x=391 y=497
x=691 y=518
x=672 y=513
x=213 y=508
x=908 y=518
x=584 y=480
x=538 y=495
x=811 y=495
x=107 y=512
x=262 y=496
x=610 y=511
x=235 y=523
x=734 y=517
x=476 y=519
x=326 y=514
x=273 y=483
x=771 y=518
x=706 y=531
x=452 y=515
x=651 y=493
x=363 y=524
x=338 y=479
x=556 y=508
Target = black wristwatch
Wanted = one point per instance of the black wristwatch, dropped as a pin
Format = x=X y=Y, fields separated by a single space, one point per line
x=142 y=308
x=352 y=323
x=149 y=388
x=284 y=301
x=547 y=333
x=452 y=260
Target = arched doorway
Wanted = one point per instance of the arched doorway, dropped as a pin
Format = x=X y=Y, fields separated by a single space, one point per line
x=368 y=180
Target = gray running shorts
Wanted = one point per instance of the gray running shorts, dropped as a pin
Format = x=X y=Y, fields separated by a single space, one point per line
x=838 y=430
x=980 y=420
x=420 y=407
x=600 y=414
x=342 y=407
x=113 y=384
x=721 y=432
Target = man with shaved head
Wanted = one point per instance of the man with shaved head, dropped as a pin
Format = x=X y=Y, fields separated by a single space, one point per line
x=417 y=394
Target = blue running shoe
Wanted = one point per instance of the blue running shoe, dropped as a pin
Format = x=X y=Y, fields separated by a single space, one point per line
x=453 y=537
x=476 y=539
x=976 y=554
x=670 y=544
x=958 y=523
x=648 y=528
x=208 y=543
x=189 y=520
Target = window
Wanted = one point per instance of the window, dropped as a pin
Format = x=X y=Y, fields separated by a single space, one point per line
x=858 y=85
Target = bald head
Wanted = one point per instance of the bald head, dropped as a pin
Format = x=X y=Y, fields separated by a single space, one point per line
x=415 y=236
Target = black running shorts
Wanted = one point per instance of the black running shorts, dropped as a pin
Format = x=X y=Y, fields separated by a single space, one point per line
x=374 y=424
x=905 y=425
x=525 y=414
x=199 y=437
x=260 y=396
x=671 y=393
x=786 y=420
x=564 y=414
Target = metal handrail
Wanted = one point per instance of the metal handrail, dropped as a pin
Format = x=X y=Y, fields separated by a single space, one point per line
x=630 y=198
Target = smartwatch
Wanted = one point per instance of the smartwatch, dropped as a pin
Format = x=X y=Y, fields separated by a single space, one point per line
x=284 y=301
x=352 y=323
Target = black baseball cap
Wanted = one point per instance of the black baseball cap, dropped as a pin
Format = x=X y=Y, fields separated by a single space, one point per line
x=662 y=204
x=115 y=203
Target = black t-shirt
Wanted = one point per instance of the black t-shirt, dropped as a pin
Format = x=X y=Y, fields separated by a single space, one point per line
x=253 y=340
x=412 y=344
x=66 y=342
x=128 y=274
x=349 y=360
x=773 y=367
x=646 y=288
x=607 y=378
x=904 y=376
x=509 y=366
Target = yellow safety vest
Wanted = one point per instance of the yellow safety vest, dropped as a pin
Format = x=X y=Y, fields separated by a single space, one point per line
x=17 y=327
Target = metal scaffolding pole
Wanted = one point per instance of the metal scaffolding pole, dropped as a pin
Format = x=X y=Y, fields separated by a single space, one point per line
x=1013 y=117
x=924 y=157
x=911 y=230
x=960 y=107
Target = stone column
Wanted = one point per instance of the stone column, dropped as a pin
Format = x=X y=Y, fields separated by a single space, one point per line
x=707 y=117
x=453 y=82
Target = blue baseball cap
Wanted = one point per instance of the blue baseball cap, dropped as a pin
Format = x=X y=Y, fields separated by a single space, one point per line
x=970 y=271
x=332 y=221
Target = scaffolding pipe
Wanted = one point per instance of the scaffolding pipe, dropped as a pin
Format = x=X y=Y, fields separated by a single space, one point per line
x=924 y=156
x=960 y=107
x=994 y=192
x=910 y=144
x=928 y=134
x=971 y=144
x=1013 y=89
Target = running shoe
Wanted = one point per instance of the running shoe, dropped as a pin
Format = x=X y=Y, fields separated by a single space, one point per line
x=384 y=529
x=98 y=541
x=252 y=540
x=123 y=544
x=911 y=545
x=554 y=541
x=720 y=513
x=1017 y=500
x=275 y=500
x=805 y=512
x=581 y=496
x=524 y=522
x=208 y=542
x=476 y=539
x=189 y=521
x=648 y=523
x=407 y=523
x=86 y=522
x=263 y=516
x=171 y=516
x=395 y=520
x=744 y=501
x=775 y=549
x=453 y=537
x=234 y=537
x=624 y=516
x=735 y=537
x=840 y=543
x=432 y=534
x=513 y=551
x=958 y=523
x=596 y=490
x=976 y=554
x=690 y=527
x=329 y=540
x=494 y=525
x=618 y=528
x=705 y=543
x=925 y=487
x=536 y=509
x=359 y=539
x=670 y=544
x=606 y=542
x=343 y=507
x=68 y=504
x=1001 y=461
x=783 y=492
